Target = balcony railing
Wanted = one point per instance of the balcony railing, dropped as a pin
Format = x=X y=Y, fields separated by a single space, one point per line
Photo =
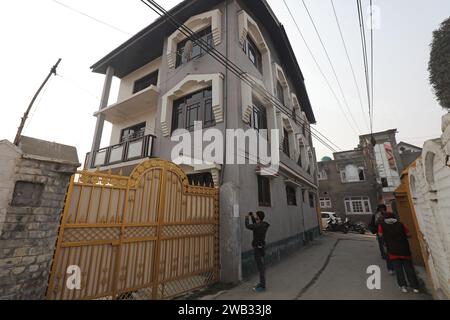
x=133 y=149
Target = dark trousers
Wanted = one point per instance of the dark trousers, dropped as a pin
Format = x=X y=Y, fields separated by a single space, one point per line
x=405 y=266
x=383 y=253
x=260 y=263
x=381 y=246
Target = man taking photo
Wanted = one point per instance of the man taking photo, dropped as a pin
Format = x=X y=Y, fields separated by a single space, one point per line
x=259 y=228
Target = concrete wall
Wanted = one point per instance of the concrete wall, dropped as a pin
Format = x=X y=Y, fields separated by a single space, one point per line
x=149 y=118
x=430 y=187
x=28 y=232
x=337 y=191
x=127 y=83
x=238 y=182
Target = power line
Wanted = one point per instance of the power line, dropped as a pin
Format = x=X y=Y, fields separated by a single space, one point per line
x=318 y=66
x=365 y=60
x=91 y=17
x=371 y=57
x=331 y=63
x=350 y=63
x=232 y=67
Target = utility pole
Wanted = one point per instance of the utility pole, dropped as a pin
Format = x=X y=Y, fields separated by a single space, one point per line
x=25 y=116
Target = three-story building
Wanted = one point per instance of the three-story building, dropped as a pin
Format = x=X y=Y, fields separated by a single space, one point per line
x=169 y=81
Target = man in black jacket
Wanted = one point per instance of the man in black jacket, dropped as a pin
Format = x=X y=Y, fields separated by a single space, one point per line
x=259 y=228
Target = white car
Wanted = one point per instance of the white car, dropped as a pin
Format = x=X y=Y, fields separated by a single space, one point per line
x=328 y=215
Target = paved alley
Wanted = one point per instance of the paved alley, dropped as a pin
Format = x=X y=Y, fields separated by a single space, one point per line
x=332 y=267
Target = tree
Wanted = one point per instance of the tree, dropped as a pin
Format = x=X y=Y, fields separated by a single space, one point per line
x=439 y=65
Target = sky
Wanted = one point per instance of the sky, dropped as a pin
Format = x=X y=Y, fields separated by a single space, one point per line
x=36 y=33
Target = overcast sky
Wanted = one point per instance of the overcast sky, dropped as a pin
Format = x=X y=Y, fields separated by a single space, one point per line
x=36 y=33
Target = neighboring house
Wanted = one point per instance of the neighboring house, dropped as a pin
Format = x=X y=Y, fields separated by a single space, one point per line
x=167 y=82
x=356 y=181
x=386 y=157
x=408 y=153
x=348 y=186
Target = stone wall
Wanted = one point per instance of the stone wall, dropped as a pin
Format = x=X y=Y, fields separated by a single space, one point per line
x=32 y=203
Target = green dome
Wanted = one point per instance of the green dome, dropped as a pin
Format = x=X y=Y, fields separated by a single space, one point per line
x=326 y=159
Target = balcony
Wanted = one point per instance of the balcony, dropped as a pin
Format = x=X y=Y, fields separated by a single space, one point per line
x=132 y=149
x=139 y=103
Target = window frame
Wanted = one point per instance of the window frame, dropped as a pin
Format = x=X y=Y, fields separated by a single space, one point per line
x=258 y=118
x=351 y=203
x=185 y=105
x=325 y=202
x=250 y=45
x=343 y=174
x=204 y=35
x=264 y=191
x=286 y=147
x=202 y=179
x=322 y=175
x=280 y=92
x=151 y=76
x=291 y=195
x=140 y=133
x=312 y=202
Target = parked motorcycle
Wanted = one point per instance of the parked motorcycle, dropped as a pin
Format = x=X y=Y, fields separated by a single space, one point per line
x=358 y=227
x=334 y=225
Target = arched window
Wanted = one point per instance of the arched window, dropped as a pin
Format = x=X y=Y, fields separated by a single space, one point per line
x=352 y=173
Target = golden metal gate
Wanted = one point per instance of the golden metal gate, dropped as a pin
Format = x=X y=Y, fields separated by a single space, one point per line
x=147 y=236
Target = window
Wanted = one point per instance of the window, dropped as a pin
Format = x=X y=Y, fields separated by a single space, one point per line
x=361 y=174
x=312 y=200
x=322 y=175
x=131 y=133
x=303 y=195
x=325 y=202
x=280 y=92
x=201 y=179
x=358 y=205
x=145 y=82
x=259 y=118
x=188 y=49
x=291 y=197
x=351 y=173
x=264 y=191
x=294 y=115
x=286 y=142
x=384 y=182
x=253 y=53
x=300 y=156
x=194 y=107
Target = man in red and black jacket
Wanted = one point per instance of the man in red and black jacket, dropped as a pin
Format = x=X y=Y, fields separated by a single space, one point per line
x=395 y=235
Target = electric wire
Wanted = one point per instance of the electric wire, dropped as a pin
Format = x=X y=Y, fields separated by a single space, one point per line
x=91 y=17
x=232 y=67
x=365 y=59
x=331 y=65
x=350 y=63
x=318 y=65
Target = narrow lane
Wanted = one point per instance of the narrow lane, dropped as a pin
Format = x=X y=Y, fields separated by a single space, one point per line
x=332 y=267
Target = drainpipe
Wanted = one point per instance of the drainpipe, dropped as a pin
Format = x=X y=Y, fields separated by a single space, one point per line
x=225 y=96
x=101 y=117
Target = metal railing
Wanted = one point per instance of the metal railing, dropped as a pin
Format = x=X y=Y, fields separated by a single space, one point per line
x=132 y=149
